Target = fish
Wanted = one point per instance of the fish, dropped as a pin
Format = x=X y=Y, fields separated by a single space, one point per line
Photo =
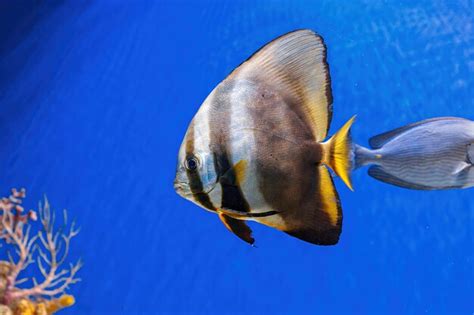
x=256 y=149
x=433 y=154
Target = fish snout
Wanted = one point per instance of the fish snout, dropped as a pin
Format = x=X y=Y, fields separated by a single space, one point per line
x=181 y=188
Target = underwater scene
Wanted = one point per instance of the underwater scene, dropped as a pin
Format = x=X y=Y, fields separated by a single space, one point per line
x=236 y=157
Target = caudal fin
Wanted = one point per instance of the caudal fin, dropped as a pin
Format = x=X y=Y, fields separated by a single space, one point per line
x=338 y=153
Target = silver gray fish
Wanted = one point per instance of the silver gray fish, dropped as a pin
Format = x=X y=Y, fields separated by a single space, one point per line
x=255 y=150
x=432 y=154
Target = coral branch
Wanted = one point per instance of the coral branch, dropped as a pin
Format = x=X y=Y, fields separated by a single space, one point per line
x=49 y=246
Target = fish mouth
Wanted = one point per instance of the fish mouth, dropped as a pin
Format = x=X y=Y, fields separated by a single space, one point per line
x=184 y=189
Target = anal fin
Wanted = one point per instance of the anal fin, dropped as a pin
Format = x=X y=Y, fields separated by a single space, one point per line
x=238 y=227
x=318 y=222
x=380 y=174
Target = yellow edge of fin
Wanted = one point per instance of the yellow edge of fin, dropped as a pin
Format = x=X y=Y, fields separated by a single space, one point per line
x=330 y=198
x=337 y=153
x=239 y=171
x=236 y=174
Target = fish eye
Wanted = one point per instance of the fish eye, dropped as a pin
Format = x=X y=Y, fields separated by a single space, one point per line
x=192 y=163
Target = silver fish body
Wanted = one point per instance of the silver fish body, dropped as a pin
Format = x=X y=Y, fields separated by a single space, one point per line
x=429 y=155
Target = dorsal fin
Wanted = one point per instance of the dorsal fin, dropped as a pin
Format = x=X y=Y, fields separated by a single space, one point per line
x=294 y=66
x=379 y=141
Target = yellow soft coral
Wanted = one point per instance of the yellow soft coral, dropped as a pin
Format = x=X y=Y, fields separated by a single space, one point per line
x=57 y=304
x=27 y=307
x=24 y=307
x=41 y=309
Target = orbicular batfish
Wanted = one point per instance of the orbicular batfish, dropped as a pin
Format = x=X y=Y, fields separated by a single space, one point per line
x=432 y=154
x=255 y=149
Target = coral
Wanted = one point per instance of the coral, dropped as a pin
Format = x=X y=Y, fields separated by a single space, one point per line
x=24 y=307
x=5 y=310
x=48 y=250
x=55 y=305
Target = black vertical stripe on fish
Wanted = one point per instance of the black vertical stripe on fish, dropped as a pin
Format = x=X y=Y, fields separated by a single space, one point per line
x=232 y=196
x=194 y=178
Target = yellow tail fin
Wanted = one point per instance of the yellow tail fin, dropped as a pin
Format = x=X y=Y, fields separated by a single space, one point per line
x=337 y=153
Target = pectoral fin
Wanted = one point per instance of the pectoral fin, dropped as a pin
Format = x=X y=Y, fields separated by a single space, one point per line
x=462 y=167
x=238 y=227
x=470 y=153
x=235 y=175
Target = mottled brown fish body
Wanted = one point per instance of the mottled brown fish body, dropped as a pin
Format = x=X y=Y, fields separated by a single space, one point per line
x=257 y=141
x=283 y=154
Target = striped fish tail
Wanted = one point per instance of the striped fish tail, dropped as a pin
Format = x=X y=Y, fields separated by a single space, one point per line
x=363 y=156
x=337 y=153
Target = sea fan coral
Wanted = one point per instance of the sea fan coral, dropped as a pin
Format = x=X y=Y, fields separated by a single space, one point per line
x=47 y=249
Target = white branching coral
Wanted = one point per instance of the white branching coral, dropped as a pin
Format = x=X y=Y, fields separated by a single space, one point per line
x=47 y=249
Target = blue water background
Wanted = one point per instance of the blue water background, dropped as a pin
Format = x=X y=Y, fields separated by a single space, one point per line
x=95 y=97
